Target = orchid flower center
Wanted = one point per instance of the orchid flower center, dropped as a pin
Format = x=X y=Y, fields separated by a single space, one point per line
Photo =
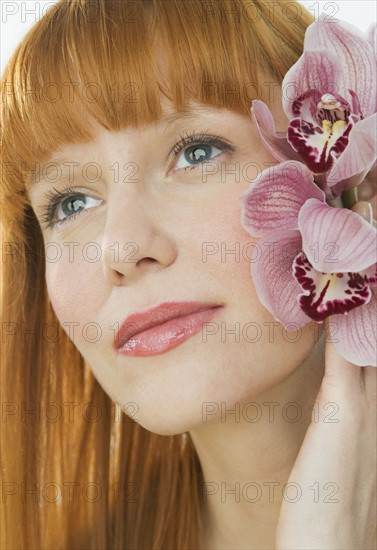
x=328 y=101
x=332 y=113
x=326 y=294
x=334 y=117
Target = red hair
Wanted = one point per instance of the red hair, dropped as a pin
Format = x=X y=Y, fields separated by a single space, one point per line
x=110 y=483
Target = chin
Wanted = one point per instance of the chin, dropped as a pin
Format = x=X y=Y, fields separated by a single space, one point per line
x=164 y=426
x=169 y=421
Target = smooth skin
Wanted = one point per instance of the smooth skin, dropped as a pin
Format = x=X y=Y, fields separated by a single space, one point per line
x=343 y=453
x=169 y=212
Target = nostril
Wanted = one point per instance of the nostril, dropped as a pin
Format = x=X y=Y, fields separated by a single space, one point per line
x=147 y=260
x=118 y=276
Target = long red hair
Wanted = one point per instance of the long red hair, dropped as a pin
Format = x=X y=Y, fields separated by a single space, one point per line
x=71 y=480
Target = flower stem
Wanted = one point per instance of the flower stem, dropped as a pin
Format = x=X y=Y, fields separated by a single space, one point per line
x=349 y=197
x=336 y=203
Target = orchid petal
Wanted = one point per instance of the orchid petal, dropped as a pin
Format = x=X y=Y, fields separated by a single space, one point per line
x=273 y=202
x=356 y=334
x=275 y=142
x=305 y=105
x=355 y=58
x=321 y=181
x=370 y=275
x=276 y=287
x=358 y=158
x=371 y=36
x=314 y=71
x=327 y=294
x=356 y=107
x=336 y=240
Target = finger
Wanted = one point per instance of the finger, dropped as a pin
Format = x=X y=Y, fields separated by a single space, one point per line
x=373 y=202
x=339 y=373
x=365 y=191
x=342 y=374
x=364 y=209
x=368 y=187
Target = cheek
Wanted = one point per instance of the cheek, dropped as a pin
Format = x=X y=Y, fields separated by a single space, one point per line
x=226 y=246
x=229 y=256
x=74 y=287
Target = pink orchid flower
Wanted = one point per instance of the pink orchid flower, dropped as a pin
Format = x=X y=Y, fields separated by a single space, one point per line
x=330 y=99
x=317 y=261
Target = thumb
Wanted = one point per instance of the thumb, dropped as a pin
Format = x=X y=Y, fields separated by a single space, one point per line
x=339 y=373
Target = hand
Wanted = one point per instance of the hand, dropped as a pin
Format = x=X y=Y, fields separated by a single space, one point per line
x=367 y=194
x=342 y=514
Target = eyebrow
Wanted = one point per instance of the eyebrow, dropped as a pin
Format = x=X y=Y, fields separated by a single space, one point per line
x=165 y=123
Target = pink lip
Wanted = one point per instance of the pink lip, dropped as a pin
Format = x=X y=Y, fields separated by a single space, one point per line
x=163 y=327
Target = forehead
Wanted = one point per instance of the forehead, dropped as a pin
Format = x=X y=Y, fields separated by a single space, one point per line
x=194 y=110
x=169 y=119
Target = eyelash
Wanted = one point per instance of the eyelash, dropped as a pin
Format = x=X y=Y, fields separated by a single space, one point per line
x=55 y=197
x=198 y=139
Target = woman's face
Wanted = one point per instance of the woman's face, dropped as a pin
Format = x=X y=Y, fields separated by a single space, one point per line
x=153 y=228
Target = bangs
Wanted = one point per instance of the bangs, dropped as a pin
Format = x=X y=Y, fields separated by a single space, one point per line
x=108 y=62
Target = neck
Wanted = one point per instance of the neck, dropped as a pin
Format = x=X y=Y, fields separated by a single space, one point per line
x=247 y=457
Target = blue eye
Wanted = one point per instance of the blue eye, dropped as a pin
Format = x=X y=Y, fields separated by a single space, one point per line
x=197 y=153
x=198 y=150
x=65 y=205
x=74 y=205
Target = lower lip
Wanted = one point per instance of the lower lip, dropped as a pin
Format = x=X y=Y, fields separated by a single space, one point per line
x=168 y=335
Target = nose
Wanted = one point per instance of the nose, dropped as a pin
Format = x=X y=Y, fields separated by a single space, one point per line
x=135 y=241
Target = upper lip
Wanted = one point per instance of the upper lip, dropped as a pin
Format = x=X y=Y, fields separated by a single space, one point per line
x=138 y=322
